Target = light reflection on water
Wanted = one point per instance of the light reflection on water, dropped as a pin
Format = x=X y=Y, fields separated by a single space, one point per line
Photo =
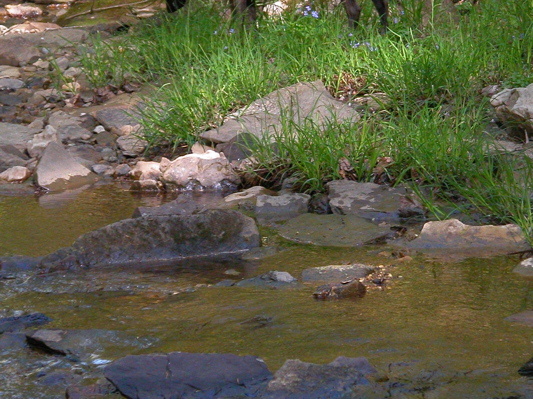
x=442 y=322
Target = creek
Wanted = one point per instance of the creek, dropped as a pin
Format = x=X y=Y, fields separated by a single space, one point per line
x=436 y=326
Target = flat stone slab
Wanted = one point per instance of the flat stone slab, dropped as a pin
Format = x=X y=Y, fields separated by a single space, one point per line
x=331 y=230
x=300 y=103
x=368 y=200
x=456 y=237
x=336 y=273
x=188 y=375
x=158 y=239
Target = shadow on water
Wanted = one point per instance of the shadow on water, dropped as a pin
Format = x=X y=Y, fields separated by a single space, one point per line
x=437 y=326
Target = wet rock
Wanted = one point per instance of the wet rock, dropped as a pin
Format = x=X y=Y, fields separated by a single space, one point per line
x=151 y=240
x=368 y=200
x=123 y=169
x=281 y=207
x=23 y=11
x=15 y=135
x=302 y=102
x=272 y=279
x=103 y=170
x=525 y=318
x=200 y=171
x=147 y=185
x=319 y=203
x=188 y=375
x=515 y=108
x=331 y=230
x=19 y=323
x=15 y=174
x=527 y=369
x=58 y=170
x=341 y=378
x=336 y=273
x=350 y=290
x=525 y=268
x=15 y=264
x=471 y=240
x=12 y=341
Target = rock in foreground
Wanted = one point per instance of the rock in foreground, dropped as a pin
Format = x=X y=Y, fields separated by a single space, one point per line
x=159 y=239
x=188 y=375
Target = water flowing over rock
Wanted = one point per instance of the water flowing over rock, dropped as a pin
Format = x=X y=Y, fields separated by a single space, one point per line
x=210 y=170
x=158 y=239
x=331 y=230
x=188 y=375
x=455 y=238
x=300 y=103
x=515 y=108
x=339 y=379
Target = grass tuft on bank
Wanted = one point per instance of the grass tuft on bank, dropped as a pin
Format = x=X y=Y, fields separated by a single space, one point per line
x=428 y=70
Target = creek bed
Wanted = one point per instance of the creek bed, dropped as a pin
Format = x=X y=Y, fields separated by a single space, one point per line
x=439 y=326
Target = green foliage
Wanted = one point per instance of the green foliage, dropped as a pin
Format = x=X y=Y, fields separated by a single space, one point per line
x=430 y=69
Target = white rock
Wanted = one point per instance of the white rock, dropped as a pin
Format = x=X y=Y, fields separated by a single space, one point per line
x=15 y=174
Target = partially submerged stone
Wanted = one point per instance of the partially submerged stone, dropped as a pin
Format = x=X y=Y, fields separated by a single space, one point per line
x=331 y=230
x=284 y=206
x=336 y=273
x=455 y=237
x=342 y=378
x=272 y=279
x=188 y=375
x=18 y=323
x=349 y=290
x=525 y=318
x=247 y=199
x=158 y=239
x=57 y=170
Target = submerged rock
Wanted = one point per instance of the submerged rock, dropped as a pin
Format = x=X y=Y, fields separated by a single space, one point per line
x=18 y=323
x=525 y=268
x=188 y=375
x=525 y=318
x=527 y=369
x=331 y=230
x=342 y=378
x=470 y=240
x=156 y=239
x=336 y=273
x=353 y=289
x=272 y=279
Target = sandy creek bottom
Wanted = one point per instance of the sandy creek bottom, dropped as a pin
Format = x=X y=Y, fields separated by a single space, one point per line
x=437 y=326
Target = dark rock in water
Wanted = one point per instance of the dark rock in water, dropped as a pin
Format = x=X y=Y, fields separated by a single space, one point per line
x=336 y=273
x=527 y=369
x=341 y=378
x=157 y=239
x=272 y=279
x=353 y=289
x=18 y=323
x=188 y=375
x=319 y=203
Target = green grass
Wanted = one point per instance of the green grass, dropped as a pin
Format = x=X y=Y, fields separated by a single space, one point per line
x=431 y=125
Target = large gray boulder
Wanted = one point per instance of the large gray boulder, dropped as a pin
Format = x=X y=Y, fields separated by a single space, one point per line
x=58 y=170
x=515 y=108
x=157 y=239
x=299 y=103
x=188 y=375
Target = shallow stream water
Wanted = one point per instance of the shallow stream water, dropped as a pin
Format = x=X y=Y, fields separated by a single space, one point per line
x=437 y=328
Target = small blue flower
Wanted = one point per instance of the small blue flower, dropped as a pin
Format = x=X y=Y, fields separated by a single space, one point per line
x=215 y=32
x=396 y=20
x=355 y=44
x=225 y=48
x=308 y=8
x=305 y=13
x=350 y=34
x=231 y=31
x=437 y=46
x=314 y=14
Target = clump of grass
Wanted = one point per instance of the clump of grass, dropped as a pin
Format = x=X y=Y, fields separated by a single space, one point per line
x=429 y=71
